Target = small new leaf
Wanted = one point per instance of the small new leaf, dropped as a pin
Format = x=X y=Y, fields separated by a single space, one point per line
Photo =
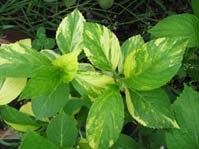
x=67 y=65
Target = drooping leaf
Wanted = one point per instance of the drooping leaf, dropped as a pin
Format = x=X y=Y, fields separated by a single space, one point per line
x=19 y=60
x=151 y=108
x=43 y=84
x=91 y=83
x=125 y=142
x=10 y=89
x=34 y=141
x=186 y=112
x=18 y=120
x=195 y=6
x=105 y=120
x=153 y=64
x=47 y=106
x=180 y=26
x=127 y=47
x=69 y=35
x=101 y=46
x=67 y=65
x=62 y=131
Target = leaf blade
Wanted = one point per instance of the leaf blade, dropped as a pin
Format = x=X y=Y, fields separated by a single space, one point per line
x=91 y=83
x=186 y=111
x=32 y=141
x=17 y=119
x=104 y=125
x=66 y=131
x=47 y=106
x=180 y=26
x=19 y=60
x=101 y=46
x=144 y=107
x=69 y=35
x=143 y=66
x=127 y=47
x=11 y=88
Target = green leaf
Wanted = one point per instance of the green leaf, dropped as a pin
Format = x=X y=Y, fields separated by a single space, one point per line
x=69 y=35
x=34 y=141
x=157 y=139
x=101 y=46
x=74 y=105
x=10 y=89
x=41 y=33
x=179 y=26
x=186 y=112
x=127 y=47
x=13 y=116
x=62 y=131
x=37 y=44
x=192 y=68
x=105 y=120
x=45 y=82
x=151 y=108
x=69 y=3
x=49 y=43
x=50 y=54
x=47 y=106
x=2 y=80
x=153 y=64
x=19 y=60
x=91 y=83
x=84 y=145
x=195 y=6
x=67 y=65
x=125 y=142
x=82 y=67
x=105 y=4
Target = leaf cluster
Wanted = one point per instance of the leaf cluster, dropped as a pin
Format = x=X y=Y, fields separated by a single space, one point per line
x=85 y=105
